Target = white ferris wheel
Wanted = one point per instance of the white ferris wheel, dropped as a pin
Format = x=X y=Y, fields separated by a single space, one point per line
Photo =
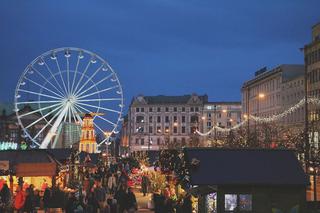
x=60 y=86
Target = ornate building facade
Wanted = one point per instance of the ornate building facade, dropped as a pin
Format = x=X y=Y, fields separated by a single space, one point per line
x=156 y=122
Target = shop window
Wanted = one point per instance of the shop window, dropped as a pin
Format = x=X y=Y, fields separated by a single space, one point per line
x=140 y=119
x=230 y=202
x=245 y=202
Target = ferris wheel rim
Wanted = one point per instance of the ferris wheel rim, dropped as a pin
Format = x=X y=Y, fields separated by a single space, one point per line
x=57 y=50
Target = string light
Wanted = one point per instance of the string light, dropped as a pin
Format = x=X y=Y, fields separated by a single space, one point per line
x=314 y=101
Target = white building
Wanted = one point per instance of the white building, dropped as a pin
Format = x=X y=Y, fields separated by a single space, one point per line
x=157 y=122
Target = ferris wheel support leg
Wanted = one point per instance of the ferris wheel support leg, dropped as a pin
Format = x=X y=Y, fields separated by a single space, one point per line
x=54 y=128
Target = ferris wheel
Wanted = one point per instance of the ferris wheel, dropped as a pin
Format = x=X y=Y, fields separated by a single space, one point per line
x=62 y=85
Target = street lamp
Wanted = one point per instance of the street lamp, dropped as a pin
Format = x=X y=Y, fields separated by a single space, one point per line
x=314 y=172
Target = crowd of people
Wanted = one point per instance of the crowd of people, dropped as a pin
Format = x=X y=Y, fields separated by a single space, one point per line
x=102 y=192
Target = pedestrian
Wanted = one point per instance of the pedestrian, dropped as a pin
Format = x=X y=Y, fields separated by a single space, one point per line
x=100 y=195
x=132 y=202
x=19 y=200
x=46 y=199
x=187 y=204
x=5 y=198
x=28 y=205
x=144 y=184
x=36 y=199
x=112 y=185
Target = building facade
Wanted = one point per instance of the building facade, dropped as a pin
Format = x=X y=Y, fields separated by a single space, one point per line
x=156 y=122
x=222 y=114
x=271 y=92
x=312 y=63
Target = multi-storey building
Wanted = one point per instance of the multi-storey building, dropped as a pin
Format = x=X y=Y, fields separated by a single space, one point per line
x=312 y=63
x=271 y=92
x=11 y=131
x=157 y=122
x=222 y=114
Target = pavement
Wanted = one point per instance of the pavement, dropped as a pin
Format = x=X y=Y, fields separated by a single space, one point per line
x=142 y=201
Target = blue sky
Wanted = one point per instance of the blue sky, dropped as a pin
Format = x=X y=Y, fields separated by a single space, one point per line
x=168 y=47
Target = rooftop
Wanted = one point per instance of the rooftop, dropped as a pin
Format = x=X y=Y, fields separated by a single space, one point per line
x=245 y=167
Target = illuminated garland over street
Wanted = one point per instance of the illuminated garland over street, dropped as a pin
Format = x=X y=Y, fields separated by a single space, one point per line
x=313 y=101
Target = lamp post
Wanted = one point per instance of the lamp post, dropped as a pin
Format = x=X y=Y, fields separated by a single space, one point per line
x=260 y=97
x=314 y=172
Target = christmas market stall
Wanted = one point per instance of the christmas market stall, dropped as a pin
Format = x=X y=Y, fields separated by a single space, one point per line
x=25 y=167
x=250 y=180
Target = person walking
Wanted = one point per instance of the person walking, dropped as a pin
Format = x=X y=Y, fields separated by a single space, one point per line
x=19 y=200
x=5 y=198
x=144 y=184
x=28 y=205
x=112 y=184
x=132 y=202
x=187 y=204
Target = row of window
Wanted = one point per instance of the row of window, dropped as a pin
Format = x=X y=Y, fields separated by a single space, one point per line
x=142 y=141
x=167 y=119
x=166 y=129
x=314 y=76
x=313 y=57
x=168 y=109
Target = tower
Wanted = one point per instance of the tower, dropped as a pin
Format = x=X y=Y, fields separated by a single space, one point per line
x=88 y=138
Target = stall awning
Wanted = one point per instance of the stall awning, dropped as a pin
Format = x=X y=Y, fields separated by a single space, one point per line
x=35 y=169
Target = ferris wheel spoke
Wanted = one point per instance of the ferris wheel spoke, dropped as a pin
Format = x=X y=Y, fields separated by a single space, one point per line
x=47 y=124
x=98 y=107
x=95 y=85
x=74 y=114
x=38 y=102
x=102 y=99
x=68 y=75
x=76 y=111
x=75 y=74
x=46 y=79
x=54 y=77
x=89 y=79
x=43 y=117
x=41 y=86
x=40 y=94
x=54 y=127
x=38 y=110
x=83 y=74
x=99 y=91
x=63 y=83
x=110 y=122
x=96 y=125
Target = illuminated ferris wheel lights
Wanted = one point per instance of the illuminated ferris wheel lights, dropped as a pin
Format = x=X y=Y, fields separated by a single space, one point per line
x=67 y=54
x=61 y=93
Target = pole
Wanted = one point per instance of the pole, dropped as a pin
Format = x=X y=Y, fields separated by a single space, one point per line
x=215 y=123
x=315 y=185
x=306 y=120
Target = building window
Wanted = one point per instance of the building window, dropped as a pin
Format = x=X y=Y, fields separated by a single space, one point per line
x=142 y=141
x=167 y=109
x=175 y=109
x=142 y=109
x=175 y=119
x=158 y=141
x=229 y=114
x=167 y=119
x=197 y=109
x=183 y=109
x=183 y=129
x=150 y=109
x=194 y=119
x=137 y=109
x=230 y=202
x=158 y=129
x=158 y=119
x=183 y=119
x=175 y=129
x=150 y=129
x=174 y=140
x=166 y=129
x=192 y=109
x=139 y=119
x=209 y=115
x=193 y=129
x=158 y=109
x=150 y=119
x=209 y=124
x=183 y=141
x=137 y=141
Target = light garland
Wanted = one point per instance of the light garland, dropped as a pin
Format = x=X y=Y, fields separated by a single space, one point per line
x=314 y=101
